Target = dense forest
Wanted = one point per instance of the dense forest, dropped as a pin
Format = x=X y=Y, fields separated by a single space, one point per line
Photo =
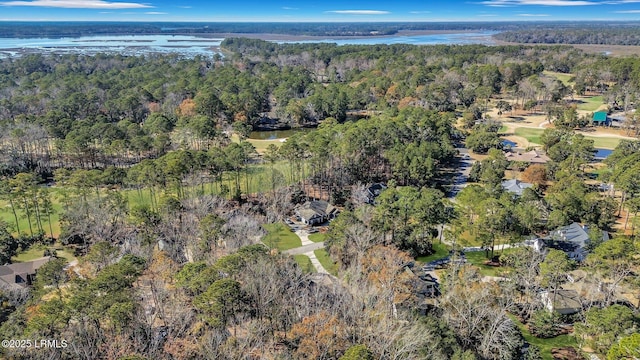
x=616 y=34
x=167 y=225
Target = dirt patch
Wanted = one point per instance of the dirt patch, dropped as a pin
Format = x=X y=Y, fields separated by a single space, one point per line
x=566 y=353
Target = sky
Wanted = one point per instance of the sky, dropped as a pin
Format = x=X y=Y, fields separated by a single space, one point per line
x=318 y=11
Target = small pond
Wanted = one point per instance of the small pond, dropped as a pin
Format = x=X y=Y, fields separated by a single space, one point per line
x=508 y=143
x=602 y=153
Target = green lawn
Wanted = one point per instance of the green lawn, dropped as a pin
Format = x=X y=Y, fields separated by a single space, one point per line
x=441 y=251
x=6 y=216
x=533 y=136
x=326 y=261
x=305 y=263
x=477 y=258
x=560 y=76
x=545 y=345
x=37 y=251
x=466 y=239
x=318 y=237
x=257 y=179
x=592 y=103
x=604 y=142
x=281 y=237
x=260 y=145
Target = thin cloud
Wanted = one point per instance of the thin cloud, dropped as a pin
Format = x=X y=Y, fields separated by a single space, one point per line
x=76 y=4
x=419 y=12
x=534 y=15
x=627 y=12
x=185 y=7
x=155 y=13
x=359 y=12
x=289 y=8
x=508 y=3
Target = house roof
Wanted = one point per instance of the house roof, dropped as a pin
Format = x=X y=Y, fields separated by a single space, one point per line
x=376 y=188
x=534 y=156
x=315 y=208
x=600 y=116
x=515 y=186
x=573 y=233
x=572 y=239
x=8 y=272
x=565 y=300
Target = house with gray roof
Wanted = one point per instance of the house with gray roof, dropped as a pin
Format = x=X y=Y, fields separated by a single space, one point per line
x=532 y=157
x=316 y=212
x=374 y=191
x=515 y=186
x=562 y=301
x=20 y=275
x=572 y=239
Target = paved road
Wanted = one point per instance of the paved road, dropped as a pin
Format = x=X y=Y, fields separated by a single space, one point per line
x=462 y=176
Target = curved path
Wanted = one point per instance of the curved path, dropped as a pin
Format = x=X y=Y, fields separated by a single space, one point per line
x=308 y=249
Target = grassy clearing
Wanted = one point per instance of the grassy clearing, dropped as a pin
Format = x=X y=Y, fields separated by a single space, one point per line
x=604 y=142
x=591 y=103
x=6 y=216
x=466 y=239
x=441 y=251
x=281 y=237
x=260 y=145
x=318 y=237
x=478 y=258
x=305 y=263
x=327 y=263
x=545 y=345
x=560 y=76
x=37 y=251
x=257 y=179
x=533 y=136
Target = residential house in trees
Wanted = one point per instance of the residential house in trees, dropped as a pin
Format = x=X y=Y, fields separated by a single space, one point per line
x=515 y=186
x=532 y=157
x=601 y=118
x=20 y=275
x=316 y=212
x=374 y=191
x=572 y=239
x=562 y=301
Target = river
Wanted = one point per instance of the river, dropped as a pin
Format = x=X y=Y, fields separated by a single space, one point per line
x=192 y=45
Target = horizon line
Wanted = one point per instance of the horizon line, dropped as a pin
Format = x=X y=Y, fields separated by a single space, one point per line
x=325 y=22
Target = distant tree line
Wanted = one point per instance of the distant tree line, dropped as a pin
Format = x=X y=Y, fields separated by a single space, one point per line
x=599 y=35
x=16 y=29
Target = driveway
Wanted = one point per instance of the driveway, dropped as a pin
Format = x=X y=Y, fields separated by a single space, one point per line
x=308 y=247
x=303 y=250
